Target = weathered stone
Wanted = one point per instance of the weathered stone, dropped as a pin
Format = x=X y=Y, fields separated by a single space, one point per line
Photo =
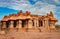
x=24 y=22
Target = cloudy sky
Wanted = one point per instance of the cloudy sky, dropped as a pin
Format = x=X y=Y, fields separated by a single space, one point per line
x=34 y=6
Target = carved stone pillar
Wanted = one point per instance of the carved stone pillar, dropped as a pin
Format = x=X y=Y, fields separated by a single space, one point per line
x=30 y=27
x=11 y=24
x=46 y=25
x=35 y=23
x=20 y=24
x=52 y=26
x=43 y=23
x=46 y=22
x=29 y=24
x=4 y=25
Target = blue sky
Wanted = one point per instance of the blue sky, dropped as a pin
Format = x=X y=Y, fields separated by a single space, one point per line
x=34 y=6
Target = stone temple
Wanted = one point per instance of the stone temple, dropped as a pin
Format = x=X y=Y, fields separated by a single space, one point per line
x=28 y=22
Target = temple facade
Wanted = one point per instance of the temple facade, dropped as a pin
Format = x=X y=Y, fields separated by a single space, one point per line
x=29 y=22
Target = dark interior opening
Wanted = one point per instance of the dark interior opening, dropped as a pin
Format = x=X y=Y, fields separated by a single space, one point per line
x=23 y=23
x=15 y=23
x=33 y=22
x=7 y=24
x=40 y=23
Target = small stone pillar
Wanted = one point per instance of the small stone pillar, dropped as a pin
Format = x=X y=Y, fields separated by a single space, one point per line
x=4 y=25
x=11 y=24
x=46 y=23
x=36 y=26
x=20 y=24
x=30 y=25
x=43 y=23
x=52 y=26
x=35 y=23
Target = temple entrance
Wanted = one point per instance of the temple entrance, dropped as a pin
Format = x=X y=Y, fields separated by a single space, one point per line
x=24 y=23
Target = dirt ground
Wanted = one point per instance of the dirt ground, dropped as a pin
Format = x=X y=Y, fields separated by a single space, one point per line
x=31 y=35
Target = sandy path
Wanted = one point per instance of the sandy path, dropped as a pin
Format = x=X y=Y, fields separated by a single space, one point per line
x=31 y=35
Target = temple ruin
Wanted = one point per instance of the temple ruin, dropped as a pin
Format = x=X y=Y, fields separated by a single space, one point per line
x=29 y=22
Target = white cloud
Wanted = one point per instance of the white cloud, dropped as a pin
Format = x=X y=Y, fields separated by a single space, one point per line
x=14 y=4
x=48 y=8
x=57 y=1
x=42 y=8
x=25 y=5
x=38 y=8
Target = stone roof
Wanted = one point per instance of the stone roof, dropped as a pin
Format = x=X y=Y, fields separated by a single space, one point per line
x=51 y=17
x=27 y=15
x=19 y=15
x=5 y=18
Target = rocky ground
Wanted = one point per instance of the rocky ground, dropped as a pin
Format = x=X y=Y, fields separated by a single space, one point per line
x=31 y=35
